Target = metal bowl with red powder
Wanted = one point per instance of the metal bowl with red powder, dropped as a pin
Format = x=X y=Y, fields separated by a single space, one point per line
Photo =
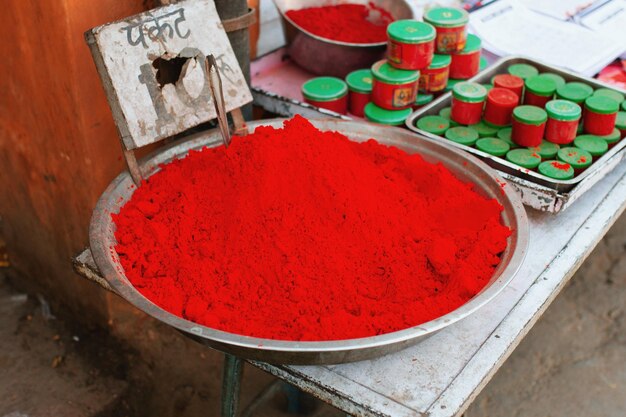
x=337 y=58
x=465 y=168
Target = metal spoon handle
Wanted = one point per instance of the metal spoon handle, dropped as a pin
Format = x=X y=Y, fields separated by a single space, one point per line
x=215 y=85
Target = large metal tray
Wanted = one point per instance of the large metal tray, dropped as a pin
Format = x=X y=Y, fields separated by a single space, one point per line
x=538 y=191
x=102 y=240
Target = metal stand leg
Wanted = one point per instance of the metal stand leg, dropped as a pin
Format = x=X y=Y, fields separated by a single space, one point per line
x=231 y=385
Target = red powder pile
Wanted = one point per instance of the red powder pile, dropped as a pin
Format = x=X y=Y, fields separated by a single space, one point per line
x=352 y=23
x=298 y=234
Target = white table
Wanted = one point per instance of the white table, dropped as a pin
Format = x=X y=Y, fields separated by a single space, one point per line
x=442 y=375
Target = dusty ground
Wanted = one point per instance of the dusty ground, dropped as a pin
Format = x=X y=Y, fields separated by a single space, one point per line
x=573 y=362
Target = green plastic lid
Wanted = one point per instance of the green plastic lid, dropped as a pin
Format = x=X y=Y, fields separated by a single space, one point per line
x=440 y=61
x=593 y=144
x=384 y=72
x=324 y=89
x=445 y=113
x=601 y=105
x=360 y=81
x=620 y=120
x=423 y=99
x=563 y=110
x=574 y=91
x=469 y=92
x=524 y=158
x=411 y=31
x=523 y=70
x=556 y=170
x=546 y=150
x=558 y=80
x=483 y=63
x=505 y=135
x=540 y=86
x=612 y=137
x=484 y=130
x=451 y=83
x=472 y=45
x=436 y=125
x=610 y=93
x=447 y=17
x=577 y=158
x=530 y=115
x=493 y=146
x=463 y=135
x=386 y=117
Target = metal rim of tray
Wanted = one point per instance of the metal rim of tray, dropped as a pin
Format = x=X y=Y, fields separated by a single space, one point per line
x=465 y=167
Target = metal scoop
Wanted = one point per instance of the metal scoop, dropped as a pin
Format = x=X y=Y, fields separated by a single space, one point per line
x=215 y=85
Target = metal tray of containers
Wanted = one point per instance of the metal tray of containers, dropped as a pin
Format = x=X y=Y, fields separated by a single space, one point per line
x=102 y=240
x=537 y=191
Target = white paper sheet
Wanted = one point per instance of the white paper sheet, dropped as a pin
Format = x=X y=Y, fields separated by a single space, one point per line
x=508 y=28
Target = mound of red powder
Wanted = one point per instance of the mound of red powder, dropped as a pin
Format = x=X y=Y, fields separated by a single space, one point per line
x=353 y=23
x=299 y=234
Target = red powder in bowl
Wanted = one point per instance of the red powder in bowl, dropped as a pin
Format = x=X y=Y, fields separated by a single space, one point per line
x=297 y=234
x=352 y=23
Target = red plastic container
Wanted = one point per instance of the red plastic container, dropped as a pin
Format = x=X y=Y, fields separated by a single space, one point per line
x=529 y=125
x=411 y=44
x=539 y=90
x=562 y=124
x=451 y=26
x=466 y=63
x=600 y=115
x=360 y=90
x=435 y=78
x=393 y=88
x=510 y=82
x=499 y=106
x=327 y=93
x=468 y=100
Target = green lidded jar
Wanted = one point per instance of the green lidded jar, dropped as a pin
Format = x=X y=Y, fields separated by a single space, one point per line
x=445 y=113
x=546 y=150
x=360 y=81
x=452 y=83
x=612 y=138
x=523 y=71
x=556 y=170
x=324 y=89
x=423 y=99
x=483 y=63
x=469 y=92
x=609 y=93
x=563 y=110
x=574 y=91
x=411 y=31
x=558 y=80
x=436 y=125
x=484 y=130
x=446 y=17
x=530 y=115
x=376 y=114
x=505 y=135
x=577 y=158
x=601 y=105
x=593 y=144
x=384 y=72
x=462 y=135
x=540 y=86
x=524 y=158
x=493 y=146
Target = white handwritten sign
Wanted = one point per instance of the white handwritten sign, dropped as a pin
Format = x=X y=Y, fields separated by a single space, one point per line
x=152 y=68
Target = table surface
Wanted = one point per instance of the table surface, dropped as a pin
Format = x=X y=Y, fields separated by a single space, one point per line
x=440 y=376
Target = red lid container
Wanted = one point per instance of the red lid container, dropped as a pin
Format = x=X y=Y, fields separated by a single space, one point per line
x=510 y=82
x=499 y=106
